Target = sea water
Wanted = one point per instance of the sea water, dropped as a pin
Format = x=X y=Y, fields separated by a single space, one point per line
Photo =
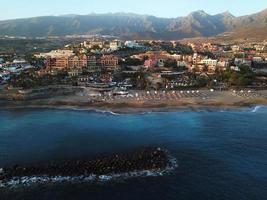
x=221 y=154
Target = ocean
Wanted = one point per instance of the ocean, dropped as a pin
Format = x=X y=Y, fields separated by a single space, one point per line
x=221 y=154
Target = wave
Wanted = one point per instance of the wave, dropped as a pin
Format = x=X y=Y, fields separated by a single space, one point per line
x=28 y=181
x=84 y=109
x=105 y=112
x=143 y=111
x=109 y=112
x=256 y=109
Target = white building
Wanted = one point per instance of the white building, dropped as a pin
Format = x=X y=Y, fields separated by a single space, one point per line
x=56 y=54
x=19 y=60
x=209 y=62
x=259 y=47
x=115 y=45
x=93 y=43
x=235 y=48
x=132 y=44
x=235 y=68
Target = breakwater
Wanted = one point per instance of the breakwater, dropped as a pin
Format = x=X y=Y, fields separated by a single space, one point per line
x=148 y=161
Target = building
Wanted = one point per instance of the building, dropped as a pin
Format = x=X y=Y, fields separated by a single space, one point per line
x=50 y=63
x=16 y=66
x=176 y=57
x=66 y=62
x=61 y=63
x=222 y=65
x=56 y=54
x=109 y=62
x=19 y=60
x=46 y=71
x=77 y=61
x=132 y=44
x=211 y=69
x=181 y=64
x=93 y=43
x=91 y=61
x=209 y=62
x=257 y=59
x=74 y=73
x=115 y=45
x=154 y=55
x=259 y=47
x=244 y=62
x=235 y=68
x=260 y=66
x=93 y=64
x=150 y=63
x=235 y=48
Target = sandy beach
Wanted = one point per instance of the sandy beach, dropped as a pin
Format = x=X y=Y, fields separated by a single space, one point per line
x=140 y=101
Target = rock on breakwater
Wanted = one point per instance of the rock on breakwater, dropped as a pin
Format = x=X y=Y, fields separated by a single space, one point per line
x=148 y=161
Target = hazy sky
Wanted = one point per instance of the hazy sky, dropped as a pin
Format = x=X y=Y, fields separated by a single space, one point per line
x=163 y=8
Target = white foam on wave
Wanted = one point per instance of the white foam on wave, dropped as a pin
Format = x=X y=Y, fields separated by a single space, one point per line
x=72 y=108
x=105 y=112
x=256 y=109
x=28 y=181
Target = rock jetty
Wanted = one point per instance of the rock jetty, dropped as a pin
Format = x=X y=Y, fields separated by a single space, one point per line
x=145 y=159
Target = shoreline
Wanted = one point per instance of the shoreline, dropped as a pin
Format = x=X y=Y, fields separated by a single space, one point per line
x=144 y=101
x=130 y=108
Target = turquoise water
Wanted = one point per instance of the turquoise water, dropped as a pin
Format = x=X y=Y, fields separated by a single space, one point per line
x=221 y=154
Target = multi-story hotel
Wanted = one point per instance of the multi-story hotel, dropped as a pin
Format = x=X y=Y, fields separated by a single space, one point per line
x=77 y=61
x=93 y=63
x=61 y=63
x=109 y=62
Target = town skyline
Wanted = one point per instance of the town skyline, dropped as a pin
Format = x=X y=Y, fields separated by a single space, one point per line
x=159 y=9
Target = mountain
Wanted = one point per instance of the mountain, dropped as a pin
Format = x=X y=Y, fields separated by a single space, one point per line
x=133 y=26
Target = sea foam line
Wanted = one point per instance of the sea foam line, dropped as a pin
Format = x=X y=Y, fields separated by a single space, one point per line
x=27 y=181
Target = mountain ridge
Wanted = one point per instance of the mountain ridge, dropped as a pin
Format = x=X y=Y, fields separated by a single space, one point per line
x=135 y=26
